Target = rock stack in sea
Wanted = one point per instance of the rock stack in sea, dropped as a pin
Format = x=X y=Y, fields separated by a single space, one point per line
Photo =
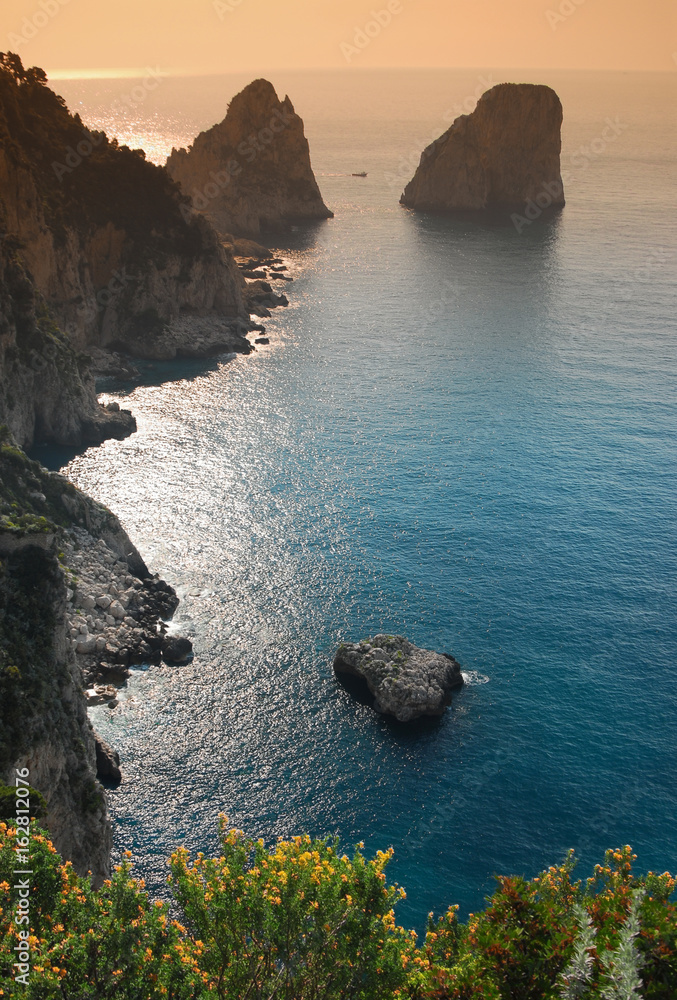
x=251 y=172
x=405 y=680
x=501 y=157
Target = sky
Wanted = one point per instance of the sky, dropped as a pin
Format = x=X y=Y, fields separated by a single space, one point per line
x=125 y=37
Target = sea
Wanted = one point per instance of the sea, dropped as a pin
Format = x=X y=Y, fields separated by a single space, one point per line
x=462 y=431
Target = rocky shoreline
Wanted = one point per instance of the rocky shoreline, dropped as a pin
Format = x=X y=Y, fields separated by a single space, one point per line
x=117 y=614
x=93 y=280
x=114 y=618
x=206 y=336
x=97 y=611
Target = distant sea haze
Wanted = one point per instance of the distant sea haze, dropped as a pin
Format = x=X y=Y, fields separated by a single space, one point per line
x=460 y=431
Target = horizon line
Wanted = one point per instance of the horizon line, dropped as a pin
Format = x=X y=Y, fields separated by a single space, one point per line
x=136 y=73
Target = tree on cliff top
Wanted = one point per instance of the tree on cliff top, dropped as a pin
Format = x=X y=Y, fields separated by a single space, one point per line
x=84 y=179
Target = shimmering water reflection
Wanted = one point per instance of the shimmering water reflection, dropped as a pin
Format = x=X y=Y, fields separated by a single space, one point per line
x=456 y=433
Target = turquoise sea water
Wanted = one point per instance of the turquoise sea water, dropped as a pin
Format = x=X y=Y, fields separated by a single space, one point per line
x=459 y=433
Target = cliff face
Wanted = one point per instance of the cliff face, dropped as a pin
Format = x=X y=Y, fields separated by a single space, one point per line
x=45 y=391
x=107 y=237
x=252 y=171
x=97 y=248
x=504 y=154
x=43 y=715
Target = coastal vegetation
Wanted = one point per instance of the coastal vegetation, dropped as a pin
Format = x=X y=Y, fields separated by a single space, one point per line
x=105 y=182
x=303 y=921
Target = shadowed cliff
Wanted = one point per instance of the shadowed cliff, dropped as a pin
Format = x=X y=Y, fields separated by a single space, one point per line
x=46 y=392
x=103 y=234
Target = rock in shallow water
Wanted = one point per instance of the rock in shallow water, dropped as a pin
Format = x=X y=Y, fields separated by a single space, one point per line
x=176 y=649
x=107 y=761
x=405 y=680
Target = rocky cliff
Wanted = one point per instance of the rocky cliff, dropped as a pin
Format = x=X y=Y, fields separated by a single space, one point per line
x=252 y=171
x=503 y=155
x=53 y=541
x=43 y=717
x=109 y=240
x=45 y=724
x=97 y=249
x=46 y=393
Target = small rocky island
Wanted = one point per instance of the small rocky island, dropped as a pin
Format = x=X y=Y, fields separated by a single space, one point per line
x=405 y=680
x=503 y=155
x=251 y=172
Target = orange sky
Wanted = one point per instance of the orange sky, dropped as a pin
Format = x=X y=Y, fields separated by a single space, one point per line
x=257 y=35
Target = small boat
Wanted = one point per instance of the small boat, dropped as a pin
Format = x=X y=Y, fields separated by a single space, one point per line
x=363 y=174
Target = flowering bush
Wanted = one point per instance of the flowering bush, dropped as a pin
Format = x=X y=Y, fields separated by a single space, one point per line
x=86 y=943
x=613 y=937
x=301 y=921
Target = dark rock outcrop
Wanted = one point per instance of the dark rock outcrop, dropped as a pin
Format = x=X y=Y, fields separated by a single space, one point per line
x=503 y=155
x=261 y=298
x=241 y=247
x=46 y=391
x=252 y=171
x=112 y=246
x=405 y=680
x=45 y=728
x=176 y=649
x=107 y=761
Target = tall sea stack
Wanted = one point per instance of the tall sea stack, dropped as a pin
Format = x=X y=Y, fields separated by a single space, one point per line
x=503 y=155
x=251 y=172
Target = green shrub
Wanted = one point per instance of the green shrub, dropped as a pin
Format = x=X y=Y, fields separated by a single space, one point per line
x=8 y=802
x=91 y=944
x=302 y=922
x=526 y=945
x=297 y=923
